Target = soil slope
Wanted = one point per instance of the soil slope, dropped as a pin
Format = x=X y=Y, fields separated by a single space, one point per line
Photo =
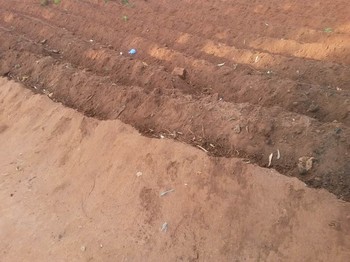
x=80 y=189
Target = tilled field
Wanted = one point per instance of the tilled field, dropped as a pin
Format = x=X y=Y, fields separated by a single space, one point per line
x=264 y=77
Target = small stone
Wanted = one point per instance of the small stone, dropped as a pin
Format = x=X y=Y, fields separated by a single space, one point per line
x=180 y=72
x=299 y=131
x=83 y=248
x=138 y=174
x=313 y=108
x=237 y=129
x=44 y=2
x=335 y=224
x=338 y=130
x=305 y=164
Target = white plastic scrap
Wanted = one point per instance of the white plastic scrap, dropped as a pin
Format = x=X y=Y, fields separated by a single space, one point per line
x=270 y=159
x=166 y=192
x=257 y=58
x=164 y=227
x=278 y=154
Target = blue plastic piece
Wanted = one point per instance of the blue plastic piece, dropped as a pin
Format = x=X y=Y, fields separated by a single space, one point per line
x=132 y=51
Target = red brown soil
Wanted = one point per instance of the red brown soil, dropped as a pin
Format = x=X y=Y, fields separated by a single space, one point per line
x=261 y=76
x=285 y=84
x=70 y=192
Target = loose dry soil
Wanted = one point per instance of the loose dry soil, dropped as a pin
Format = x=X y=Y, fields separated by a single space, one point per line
x=92 y=135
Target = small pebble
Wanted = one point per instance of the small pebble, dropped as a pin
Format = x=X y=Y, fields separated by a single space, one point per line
x=237 y=129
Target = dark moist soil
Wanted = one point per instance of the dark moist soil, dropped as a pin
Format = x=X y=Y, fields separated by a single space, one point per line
x=261 y=78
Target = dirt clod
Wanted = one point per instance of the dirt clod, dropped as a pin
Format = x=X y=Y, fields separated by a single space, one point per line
x=237 y=129
x=305 y=164
x=180 y=72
